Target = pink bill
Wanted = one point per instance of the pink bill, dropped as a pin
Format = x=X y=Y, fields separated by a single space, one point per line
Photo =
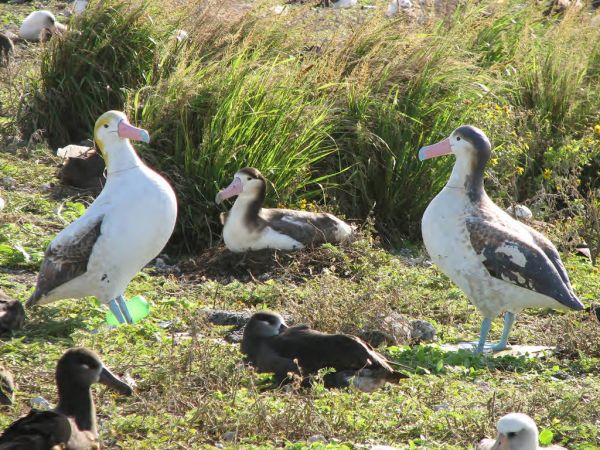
x=439 y=149
x=128 y=131
x=234 y=188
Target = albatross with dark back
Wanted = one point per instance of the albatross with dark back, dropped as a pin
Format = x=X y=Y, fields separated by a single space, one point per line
x=249 y=226
x=502 y=265
x=273 y=347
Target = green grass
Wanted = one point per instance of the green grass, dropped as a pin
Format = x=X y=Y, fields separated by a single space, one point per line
x=192 y=388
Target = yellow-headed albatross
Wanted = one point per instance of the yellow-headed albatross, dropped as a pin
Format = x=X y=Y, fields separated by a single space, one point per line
x=249 y=226
x=126 y=226
x=502 y=265
x=516 y=431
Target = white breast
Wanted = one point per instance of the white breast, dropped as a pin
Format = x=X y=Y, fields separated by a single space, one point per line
x=239 y=238
x=448 y=243
x=139 y=210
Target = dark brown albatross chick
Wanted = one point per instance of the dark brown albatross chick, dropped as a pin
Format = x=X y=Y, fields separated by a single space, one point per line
x=12 y=314
x=271 y=346
x=72 y=424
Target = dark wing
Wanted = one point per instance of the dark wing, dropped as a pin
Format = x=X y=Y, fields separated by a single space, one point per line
x=12 y=314
x=509 y=258
x=267 y=360
x=307 y=228
x=39 y=430
x=62 y=263
x=7 y=388
x=315 y=350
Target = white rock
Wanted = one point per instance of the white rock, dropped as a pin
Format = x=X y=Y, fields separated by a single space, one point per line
x=40 y=403
x=316 y=438
x=396 y=5
x=181 y=35
x=344 y=3
x=71 y=151
x=2 y=203
x=521 y=212
x=79 y=6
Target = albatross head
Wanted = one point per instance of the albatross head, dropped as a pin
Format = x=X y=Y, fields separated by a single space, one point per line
x=112 y=129
x=82 y=367
x=248 y=181
x=265 y=324
x=516 y=431
x=466 y=142
x=472 y=149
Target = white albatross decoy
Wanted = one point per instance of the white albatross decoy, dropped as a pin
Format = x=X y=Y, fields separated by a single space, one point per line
x=249 y=226
x=501 y=264
x=37 y=23
x=126 y=226
x=516 y=431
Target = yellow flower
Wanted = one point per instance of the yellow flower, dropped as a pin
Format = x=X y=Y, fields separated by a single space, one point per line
x=493 y=161
x=547 y=174
x=597 y=128
x=520 y=170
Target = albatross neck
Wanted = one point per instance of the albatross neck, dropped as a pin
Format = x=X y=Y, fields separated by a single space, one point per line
x=76 y=401
x=467 y=174
x=249 y=204
x=122 y=157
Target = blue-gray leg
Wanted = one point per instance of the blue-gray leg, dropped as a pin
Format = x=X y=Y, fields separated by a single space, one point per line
x=509 y=319
x=116 y=310
x=485 y=329
x=123 y=305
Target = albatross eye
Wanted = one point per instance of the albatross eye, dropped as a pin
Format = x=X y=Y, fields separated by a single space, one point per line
x=511 y=435
x=105 y=125
x=458 y=138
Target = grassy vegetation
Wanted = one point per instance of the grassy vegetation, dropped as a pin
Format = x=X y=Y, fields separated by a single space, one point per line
x=306 y=95
x=339 y=127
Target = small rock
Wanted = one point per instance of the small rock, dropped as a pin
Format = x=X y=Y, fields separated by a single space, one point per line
x=46 y=187
x=235 y=337
x=441 y=407
x=520 y=212
x=8 y=183
x=316 y=438
x=229 y=436
x=422 y=331
x=2 y=203
x=40 y=403
x=222 y=317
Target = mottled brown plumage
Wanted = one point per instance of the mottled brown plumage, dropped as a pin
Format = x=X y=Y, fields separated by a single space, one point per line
x=7 y=387
x=7 y=49
x=12 y=314
x=85 y=171
x=64 y=263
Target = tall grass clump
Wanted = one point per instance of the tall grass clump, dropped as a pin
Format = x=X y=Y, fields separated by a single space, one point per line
x=212 y=119
x=86 y=72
